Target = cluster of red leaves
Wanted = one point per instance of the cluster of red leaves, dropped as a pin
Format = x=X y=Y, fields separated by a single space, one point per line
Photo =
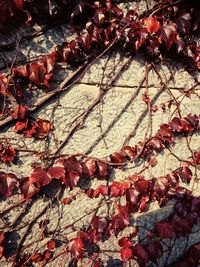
x=185 y=215
x=29 y=126
x=16 y=12
x=69 y=171
x=7 y=152
x=163 y=138
x=143 y=254
x=37 y=257
x=139 y=192
x=38 y=72
x=99 y=227
x=165 y=31
x=169 y=31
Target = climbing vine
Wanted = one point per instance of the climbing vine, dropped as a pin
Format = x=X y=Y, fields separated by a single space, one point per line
x=168 y=30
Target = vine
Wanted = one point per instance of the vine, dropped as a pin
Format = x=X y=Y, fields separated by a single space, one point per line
x=167 y=30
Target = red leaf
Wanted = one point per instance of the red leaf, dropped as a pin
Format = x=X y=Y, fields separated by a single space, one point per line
x=152 y=24
x=72 y=164
x=8 y=154
x=168 y=33
x=56 y=172
x=40 y=176
x=181 y=226
x=176 y=125
x=99 y=224
x=103 y=189
x=1 y=251
x=67 y=201
x=20 y=71
x=36 y=257
x=165 y=130
x=42 y=128
x=117 y=157
x=125 y=242
x=4 y=88
x=72 y=179
x=143 y=203
x=20 y=112
x=156 y=144
x=165 y=230
x=155 y=250
x=185 y=174
x=130 y=152
x=126 y=253
x=9 y=8
x=28 y=188
x=142 y=186
x=132 y=196
x=141 y=254
x=30 y=129
x=46 y=255
x=98 y=264
x=1 y=241
x=89 y=166
x=118 y=189
x=51 y=244
x=21 y=125
x=75 y=247
x=197 y=157
x=84 y=40
x=8 y=182
x=103 y=169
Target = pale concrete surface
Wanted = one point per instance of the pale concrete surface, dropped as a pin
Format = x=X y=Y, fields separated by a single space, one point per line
x=114 y=122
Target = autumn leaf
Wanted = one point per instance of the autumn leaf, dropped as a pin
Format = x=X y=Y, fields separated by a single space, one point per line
x=28 y=188
x=165 y=230
x=42 y=128
x=75 y=247
x=99 y=224
x=20 y=112
x=8 y=182
x=155 y=250
x=185 y=174
x=141 y=253
x=7 y=154
x=125 y=242
x=126 y=253
x=168 y=33
x=56 y=172
x=89 y=166
x=4 y=86
x=39 y=176
x=51 y=244
x=152 y=24
x=103 y=169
